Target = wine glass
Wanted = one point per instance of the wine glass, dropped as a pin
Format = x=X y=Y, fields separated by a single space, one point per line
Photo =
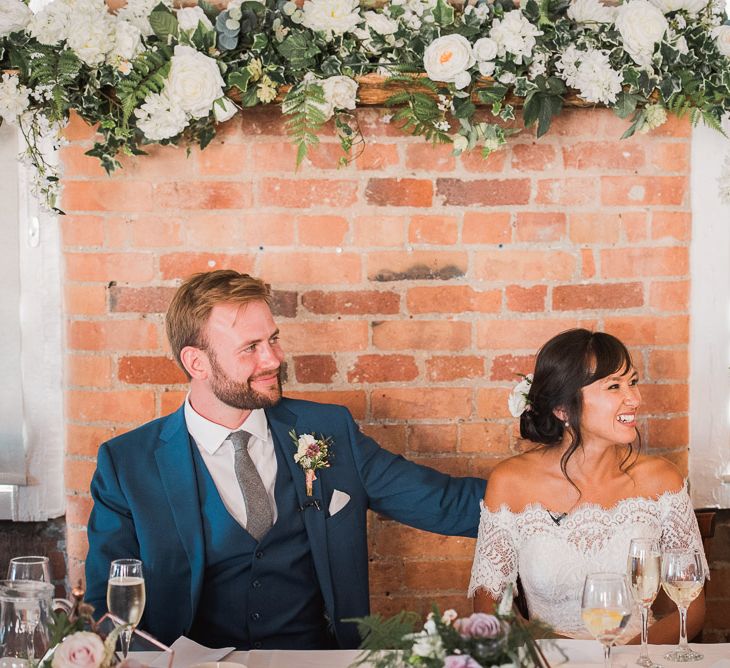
x=643 y=568
x=125 y=596
x=606 y=609
x=29 y=568
x=683 y=575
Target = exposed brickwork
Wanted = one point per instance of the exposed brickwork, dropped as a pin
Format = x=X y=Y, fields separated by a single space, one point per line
x=411 y=286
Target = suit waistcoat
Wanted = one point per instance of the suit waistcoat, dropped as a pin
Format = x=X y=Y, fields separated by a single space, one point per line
x=257 y=595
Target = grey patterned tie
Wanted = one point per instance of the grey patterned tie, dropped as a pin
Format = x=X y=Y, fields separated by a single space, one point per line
x=259 y=517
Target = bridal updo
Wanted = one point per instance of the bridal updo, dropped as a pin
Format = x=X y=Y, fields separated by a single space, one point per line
x=564 y=365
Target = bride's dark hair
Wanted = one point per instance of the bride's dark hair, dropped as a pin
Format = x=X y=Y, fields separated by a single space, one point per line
x=564 y=365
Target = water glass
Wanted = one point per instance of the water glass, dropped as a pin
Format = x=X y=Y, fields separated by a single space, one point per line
x=29 y=568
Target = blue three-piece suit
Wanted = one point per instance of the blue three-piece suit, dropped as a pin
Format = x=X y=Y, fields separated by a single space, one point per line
x=208 y=579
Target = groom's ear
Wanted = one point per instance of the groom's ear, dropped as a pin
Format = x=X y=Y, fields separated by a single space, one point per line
x=195 y=362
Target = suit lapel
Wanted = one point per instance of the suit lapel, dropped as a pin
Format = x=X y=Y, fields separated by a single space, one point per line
x=281 y=422
x=177 y=472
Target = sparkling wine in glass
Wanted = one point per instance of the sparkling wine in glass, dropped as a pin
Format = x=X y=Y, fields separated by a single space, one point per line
x=606 y=609
x=683 y=576
x=644 y=573
x=125 y=596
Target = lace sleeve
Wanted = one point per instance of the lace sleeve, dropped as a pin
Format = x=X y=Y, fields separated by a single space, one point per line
x=495 y=557
x=679 y=525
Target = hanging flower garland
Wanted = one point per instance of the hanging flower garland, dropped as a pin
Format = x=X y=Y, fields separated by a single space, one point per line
x=152 y=73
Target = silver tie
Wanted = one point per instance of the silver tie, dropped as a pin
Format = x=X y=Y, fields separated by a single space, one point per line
x=259 y=517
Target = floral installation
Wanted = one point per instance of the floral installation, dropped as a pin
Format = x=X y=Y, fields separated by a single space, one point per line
x=517 y=401
x=155 y=73
x=449 y=641
x=312 y=454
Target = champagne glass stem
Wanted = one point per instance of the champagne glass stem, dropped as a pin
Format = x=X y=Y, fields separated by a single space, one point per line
x=125 y=637
x=607 y=656
x=644 y=656
x=683 y=629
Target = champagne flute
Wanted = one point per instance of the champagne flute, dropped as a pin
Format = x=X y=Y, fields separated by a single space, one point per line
x=125 y=596
x=683 y=575
x=644 y=567
x=606 y=609
x=29 y=568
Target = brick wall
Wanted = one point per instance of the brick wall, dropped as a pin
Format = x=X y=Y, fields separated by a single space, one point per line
x=411 y=286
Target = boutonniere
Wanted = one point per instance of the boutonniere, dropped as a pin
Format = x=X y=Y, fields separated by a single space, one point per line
x=311 y=455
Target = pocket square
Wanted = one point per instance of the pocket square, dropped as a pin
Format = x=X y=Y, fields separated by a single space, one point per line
x=338 y=501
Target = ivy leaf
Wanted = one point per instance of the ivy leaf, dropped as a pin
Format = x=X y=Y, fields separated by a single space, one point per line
x=240 y=79
x=163 y=23
x=299 y=50
x=625 y=104
x=463 y=107
x=443 y=14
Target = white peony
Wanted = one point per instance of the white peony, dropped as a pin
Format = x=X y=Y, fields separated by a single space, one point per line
x=332 y=17
x=49 y=25
x=642 y=26
x=14 y=16
x=14 y=98
x=79 y=650
x=340 y=92
x=127 y=44
x=159 y=118
x=722 y=39
x=194 y=82
x=591 y=11
x=90 y=33
x=691 y=6
x=224 y=109
x=514 y=34
x=595 y=79
x=380 y=23
x=189 y=17
x=448 y=58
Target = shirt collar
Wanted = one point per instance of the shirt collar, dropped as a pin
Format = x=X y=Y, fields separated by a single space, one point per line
x=210 y=436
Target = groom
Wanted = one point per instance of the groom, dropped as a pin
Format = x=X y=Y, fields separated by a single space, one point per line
x=210 y=498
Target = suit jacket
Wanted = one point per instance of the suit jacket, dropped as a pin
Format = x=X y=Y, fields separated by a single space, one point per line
x=146 y=506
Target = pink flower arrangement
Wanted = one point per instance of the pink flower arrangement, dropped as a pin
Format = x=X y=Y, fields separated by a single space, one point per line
x=79 y=650
x=479 y=625
x=460 y=661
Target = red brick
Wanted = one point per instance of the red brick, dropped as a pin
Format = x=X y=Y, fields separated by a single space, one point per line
x=668 y=432
x=318 y=337
x=182 y=265
x=540 y=227
x=441 y=230
x=405 y=542
x=533 y=157
x=486 y=228
x=77 y=475
x=109 y=266
x=392 y=437
x=594 y=228
x=415 y=265
x=637 y=190
x=147 y=231
x=604 y=296
x=486 y=192
x=485 y=437
x=399 y=192
x=315 y=368
x=382 y=368
x=529 y=265
x=82 y=230
x=635 y=226
x=506 y=334
x=263 y=120
x=150 y=370
x=669 y=295
x=385 y=577
x=645 y=330
x=139 y=300
x=434 y=438
x=577 y=123
x=322 y=230
x=443 y=368
x=281 y=156
x=676 y=225
x=664 y=398
x=422 y=576
x=84 y=440
x=351 y=303
x=113 y=335
x=588 y=263
x=376 y=123
x=159 y=163
x=379 y=231
x=511 y=367
x=89 y=370
x=204 y=195
x=569 y=191
x=643 y=261
x=220 y=159
x=312 y=268
x=171 y=400
x=492 y=402
x=670 y=157
x=353 y=400
x=421 y=403
x=135 y=406
x=421 y=335
x=494 y=163
x=77 y=129
x=108 y=195
x=78 y=509
x=430 y=157
x=674 y=127
x=84 y=299
x=604 y=156
x=525 y=299
x=669 y=364
x=377 y=156
x=452 y=299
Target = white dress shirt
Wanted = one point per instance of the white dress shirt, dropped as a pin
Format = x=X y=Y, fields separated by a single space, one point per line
x=216 y=450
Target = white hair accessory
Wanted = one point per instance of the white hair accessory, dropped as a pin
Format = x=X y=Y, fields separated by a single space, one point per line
x=517 y=401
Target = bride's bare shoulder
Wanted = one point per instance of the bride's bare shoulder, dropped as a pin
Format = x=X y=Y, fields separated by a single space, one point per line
x=506 y=482
x=656 y=475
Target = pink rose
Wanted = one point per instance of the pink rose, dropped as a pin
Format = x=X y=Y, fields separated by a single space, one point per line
x=479 y=625
x=460 y=661
x=79 y=650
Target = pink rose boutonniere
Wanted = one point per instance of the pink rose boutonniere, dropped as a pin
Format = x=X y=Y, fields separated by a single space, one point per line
x=312 y=454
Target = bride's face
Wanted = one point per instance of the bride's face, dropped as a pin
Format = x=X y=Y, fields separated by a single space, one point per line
x=609 y=408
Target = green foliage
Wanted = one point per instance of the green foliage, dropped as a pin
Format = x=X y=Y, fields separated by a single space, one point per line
x=304 y=103
x=148 y=74
x=543 y=102
x=164 y=23
x=443 y=14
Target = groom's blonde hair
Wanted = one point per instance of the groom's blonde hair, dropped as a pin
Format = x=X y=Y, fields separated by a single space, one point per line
x=190 y=308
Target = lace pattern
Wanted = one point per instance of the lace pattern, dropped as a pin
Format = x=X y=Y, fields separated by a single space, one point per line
x=553 y=560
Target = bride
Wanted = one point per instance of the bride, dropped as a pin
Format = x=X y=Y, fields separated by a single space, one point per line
x=571 y=505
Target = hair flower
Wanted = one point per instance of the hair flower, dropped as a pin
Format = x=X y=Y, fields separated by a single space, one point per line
x=518 y=401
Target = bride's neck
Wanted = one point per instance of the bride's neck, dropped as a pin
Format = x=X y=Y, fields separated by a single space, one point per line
x=593 y=462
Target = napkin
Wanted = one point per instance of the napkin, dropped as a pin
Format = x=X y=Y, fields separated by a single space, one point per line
x=188 y=653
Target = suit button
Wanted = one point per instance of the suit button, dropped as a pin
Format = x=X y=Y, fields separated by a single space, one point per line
x=256 y=584
x=259 y=555
x=257 y=645
x=255 y=616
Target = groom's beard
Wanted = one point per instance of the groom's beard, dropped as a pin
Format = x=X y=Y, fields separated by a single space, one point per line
x=240 y=394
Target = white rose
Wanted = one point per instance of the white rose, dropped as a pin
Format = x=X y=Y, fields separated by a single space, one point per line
x=447 y=57
x=158 y=118
x=127 y=43
x=224 y=109
x=340 y=92
x=14 y=98
x=189 y=17
x=79 y=650
x=91 y=34
x=641 y=25
x=14 y=16
x=591 y=11
x=722 y=39
x=380 y=23
x=691 y=6
x=194 y=82
x=485 y=49
x=332 y=17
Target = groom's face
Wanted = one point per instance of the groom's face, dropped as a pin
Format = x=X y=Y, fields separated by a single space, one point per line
x=244 y=355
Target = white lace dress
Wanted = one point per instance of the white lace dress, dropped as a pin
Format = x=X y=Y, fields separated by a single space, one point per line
x=553 y=559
